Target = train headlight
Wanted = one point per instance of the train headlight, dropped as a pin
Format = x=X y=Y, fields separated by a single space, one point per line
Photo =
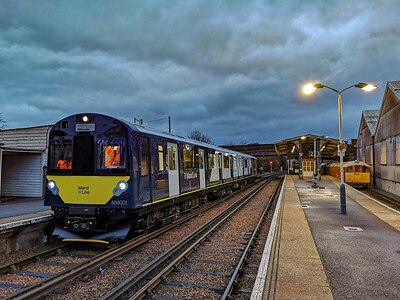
x=52 y=186
x=121 y=187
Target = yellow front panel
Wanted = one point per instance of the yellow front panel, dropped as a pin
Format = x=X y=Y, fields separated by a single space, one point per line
x=86 y=189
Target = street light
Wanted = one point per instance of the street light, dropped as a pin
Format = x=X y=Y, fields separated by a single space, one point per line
x=309 y=89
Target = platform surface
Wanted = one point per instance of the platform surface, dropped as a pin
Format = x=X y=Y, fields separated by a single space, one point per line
x=22 y=212
x=319 y=259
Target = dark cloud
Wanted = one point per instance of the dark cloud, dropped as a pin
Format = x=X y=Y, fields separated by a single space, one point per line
x=231 y=69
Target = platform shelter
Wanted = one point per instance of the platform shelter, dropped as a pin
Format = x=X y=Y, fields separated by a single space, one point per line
x=306 y=153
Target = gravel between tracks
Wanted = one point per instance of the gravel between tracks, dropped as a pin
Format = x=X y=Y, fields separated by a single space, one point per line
x=98 y=284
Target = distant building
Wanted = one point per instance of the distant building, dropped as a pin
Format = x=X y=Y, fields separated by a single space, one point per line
x=267 y=158
x=378 y=140
x=23 y=156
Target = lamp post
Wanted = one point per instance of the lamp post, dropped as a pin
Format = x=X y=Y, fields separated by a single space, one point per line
x=310 y=88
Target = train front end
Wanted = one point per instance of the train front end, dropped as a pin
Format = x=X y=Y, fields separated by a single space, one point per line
x=88 y=179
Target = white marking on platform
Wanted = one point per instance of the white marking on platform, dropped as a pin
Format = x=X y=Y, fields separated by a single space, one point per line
x=350 y=228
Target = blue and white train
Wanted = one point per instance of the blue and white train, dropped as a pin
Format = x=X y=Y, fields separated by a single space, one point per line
x=107 y=178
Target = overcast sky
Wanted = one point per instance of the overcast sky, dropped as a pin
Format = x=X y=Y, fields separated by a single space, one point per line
x=231 y=69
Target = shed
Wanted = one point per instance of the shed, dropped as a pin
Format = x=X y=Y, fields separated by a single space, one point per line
x=23 y=156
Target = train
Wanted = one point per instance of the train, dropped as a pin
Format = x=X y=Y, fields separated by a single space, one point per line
x=356 y=173
x=108 y=178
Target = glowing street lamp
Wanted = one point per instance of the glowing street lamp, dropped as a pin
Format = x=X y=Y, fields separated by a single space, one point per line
x=309 y=89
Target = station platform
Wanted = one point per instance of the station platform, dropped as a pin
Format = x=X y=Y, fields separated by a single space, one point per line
x=23 y=211
x=318 y=253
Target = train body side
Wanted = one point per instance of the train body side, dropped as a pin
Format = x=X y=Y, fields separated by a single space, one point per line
x=356 y=173
x=104 y=172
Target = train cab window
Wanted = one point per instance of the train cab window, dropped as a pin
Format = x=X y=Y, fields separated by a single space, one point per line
x=349 y=169
x=357 y=168
x=111 y=153
x=60 y=154
x=364 y=168
x=161 y=166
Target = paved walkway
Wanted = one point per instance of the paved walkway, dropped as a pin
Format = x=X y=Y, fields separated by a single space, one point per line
x=318 y=253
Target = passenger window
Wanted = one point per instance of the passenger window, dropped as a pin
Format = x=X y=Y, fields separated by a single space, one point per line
x=201 y=160
x=211 y=161
x=226 y=161
x=188 y=158
x=172 y=158
x=144 y=147
x=160 y=158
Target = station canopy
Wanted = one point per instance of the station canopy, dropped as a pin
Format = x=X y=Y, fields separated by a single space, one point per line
x=289 y=147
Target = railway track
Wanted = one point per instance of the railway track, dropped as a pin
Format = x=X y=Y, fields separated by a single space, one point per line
x=56 y=281
x=390 y=201
x=212 y=266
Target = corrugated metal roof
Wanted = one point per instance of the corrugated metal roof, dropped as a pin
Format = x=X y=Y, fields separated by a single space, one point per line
x=371 y=118
x=395 y=87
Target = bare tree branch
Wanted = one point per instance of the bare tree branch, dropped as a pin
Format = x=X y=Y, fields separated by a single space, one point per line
x=199 y=136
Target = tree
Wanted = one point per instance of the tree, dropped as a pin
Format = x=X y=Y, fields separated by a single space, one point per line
x=199 y=136
x=2 y=123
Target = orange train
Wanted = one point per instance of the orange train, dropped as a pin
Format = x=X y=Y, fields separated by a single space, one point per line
x=356 y=173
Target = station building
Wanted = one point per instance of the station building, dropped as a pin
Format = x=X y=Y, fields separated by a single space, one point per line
x=378 y=142
x=23 y=155
x=305 y=154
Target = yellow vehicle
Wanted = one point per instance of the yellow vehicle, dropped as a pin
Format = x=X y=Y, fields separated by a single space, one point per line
x=356 y=173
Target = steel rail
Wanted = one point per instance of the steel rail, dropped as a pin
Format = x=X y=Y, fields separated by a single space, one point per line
x=143 y=272
x=44 y=287
x=384 y=198
x=246 y=252
x=33 y=258
x=147 y=289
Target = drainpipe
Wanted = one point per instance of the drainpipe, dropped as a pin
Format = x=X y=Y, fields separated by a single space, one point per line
x=373 y=161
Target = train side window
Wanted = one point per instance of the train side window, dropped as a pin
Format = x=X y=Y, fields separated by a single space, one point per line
x=211 y=160
x=245 y=163
x=226 y=161
x=188 y=157
x=201 y=160
x=161 y=166
x=144 y=147
x=172 y=158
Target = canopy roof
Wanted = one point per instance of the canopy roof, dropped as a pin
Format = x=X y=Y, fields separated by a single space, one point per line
x=289 y=146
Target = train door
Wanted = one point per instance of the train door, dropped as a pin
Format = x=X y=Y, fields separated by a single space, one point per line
x=357 y=173
x=145 y=178
x=173 y=170
x=202 y=169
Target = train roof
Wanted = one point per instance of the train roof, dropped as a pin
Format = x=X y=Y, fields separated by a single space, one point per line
x=143 y=129
x=188 y=140
x=351 y=163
